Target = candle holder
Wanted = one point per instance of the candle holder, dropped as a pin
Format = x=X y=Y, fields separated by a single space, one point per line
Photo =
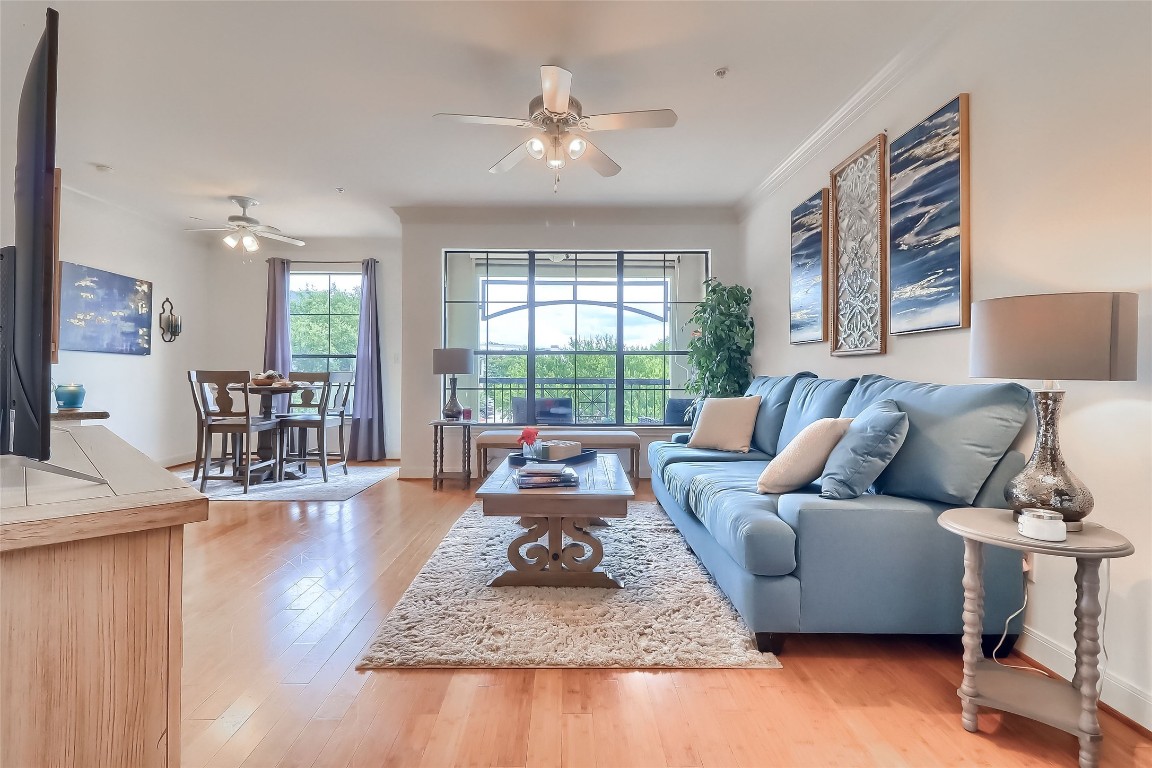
x=170 y=324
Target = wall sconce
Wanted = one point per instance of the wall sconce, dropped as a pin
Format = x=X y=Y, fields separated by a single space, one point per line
x=170 y=325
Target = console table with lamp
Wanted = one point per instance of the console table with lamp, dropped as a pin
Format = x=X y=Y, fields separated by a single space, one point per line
x=1079 y=336
x=451 y=361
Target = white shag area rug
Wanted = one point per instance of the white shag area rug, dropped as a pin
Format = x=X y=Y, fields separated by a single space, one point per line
x=669 y=614
x=311 y=487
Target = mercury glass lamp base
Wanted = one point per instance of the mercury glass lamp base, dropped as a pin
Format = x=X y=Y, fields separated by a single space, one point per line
x=1046 y=482
x=452 y=409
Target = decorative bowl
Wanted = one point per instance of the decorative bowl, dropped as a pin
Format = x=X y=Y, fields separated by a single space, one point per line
x=258 y=382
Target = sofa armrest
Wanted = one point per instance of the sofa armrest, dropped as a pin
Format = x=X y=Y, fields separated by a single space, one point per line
x=680 y=437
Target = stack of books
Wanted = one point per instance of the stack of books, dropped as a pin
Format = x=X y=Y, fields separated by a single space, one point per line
x=545 y=475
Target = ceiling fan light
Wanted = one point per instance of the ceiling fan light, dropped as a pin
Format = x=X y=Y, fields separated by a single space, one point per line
x=555 y=157
x=232 y=239
x=576 y=147
x=250 y=242
x=535 y=148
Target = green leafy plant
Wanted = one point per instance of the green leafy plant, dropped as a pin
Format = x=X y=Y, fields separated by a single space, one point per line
x=719 y=351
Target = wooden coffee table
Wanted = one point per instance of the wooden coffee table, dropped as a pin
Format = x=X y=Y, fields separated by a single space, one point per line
x=551 y=514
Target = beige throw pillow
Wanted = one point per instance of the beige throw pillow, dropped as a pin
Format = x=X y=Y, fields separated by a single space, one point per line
x=726 y=424
x=803 y=460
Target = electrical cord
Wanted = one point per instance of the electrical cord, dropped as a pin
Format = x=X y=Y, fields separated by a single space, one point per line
x=1004 y=635
x=1103 y=667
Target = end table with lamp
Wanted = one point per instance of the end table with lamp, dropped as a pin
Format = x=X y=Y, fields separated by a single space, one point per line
x=439 y=475
x=1071 y=706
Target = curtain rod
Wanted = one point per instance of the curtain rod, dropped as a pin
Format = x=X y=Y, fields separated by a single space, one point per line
x=305 y=261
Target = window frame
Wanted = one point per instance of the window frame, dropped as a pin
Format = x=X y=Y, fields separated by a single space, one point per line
x=531 y=352
x=328 y=274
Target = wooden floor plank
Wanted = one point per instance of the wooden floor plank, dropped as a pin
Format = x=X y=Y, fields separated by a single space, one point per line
x=282 y=598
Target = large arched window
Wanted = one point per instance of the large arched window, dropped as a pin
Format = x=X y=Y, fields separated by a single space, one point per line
x=573 y=338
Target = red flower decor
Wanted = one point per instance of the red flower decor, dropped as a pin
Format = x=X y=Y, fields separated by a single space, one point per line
x=528 y=436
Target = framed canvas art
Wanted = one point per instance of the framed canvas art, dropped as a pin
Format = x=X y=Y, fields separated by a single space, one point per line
x=858 y=245
x=928 y=256
x=809 y=252
x=104 y=312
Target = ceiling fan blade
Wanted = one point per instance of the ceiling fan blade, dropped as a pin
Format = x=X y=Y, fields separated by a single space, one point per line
x=211 y=229
x=600 y=162
x=556 y=85
x=515 y=122
x=276 y=236
x=616 y=121
x=510 y=159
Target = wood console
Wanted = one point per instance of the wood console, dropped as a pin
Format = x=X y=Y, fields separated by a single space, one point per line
x=90 y=627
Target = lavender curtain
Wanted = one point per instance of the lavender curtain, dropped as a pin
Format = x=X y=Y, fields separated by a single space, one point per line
x=277 y=341
x=367 y=439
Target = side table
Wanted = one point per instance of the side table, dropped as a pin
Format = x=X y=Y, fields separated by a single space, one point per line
x=1071 y=706
x=438 y=473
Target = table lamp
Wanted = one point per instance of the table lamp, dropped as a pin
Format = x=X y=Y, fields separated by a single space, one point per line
x=1087 y=336
x=451 y=361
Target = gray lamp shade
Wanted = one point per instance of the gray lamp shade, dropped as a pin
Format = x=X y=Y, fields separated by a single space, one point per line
x=451 y=360
x=1055 y=336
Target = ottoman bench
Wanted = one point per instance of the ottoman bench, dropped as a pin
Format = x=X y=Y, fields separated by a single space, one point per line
x=600 y=439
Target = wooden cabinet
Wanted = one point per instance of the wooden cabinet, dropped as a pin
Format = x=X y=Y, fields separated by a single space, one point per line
x=90 y=605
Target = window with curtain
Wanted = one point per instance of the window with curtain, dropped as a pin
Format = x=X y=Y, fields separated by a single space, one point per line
x=324 y=320
x=573 y=338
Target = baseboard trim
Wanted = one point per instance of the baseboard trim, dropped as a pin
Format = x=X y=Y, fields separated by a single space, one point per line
x=1120 y=698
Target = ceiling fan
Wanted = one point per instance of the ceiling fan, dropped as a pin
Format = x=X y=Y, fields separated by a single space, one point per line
x=243 y=230
x=561 y=120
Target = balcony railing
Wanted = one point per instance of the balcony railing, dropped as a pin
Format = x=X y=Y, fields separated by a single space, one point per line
x=504 y=400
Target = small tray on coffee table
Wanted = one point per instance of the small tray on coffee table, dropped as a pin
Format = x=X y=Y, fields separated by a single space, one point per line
x=518 y=459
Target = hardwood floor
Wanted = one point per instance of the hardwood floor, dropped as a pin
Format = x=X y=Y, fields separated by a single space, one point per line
x=280 y=599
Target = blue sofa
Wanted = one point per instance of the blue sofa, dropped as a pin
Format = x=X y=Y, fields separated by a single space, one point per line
x=878 y=563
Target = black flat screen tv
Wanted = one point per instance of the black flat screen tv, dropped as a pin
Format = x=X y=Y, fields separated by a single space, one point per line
x=28 y=273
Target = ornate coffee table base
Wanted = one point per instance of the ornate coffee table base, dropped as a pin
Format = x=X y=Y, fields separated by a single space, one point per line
x=548 y=562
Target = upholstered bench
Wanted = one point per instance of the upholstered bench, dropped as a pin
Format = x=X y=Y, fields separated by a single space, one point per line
x=615 y=439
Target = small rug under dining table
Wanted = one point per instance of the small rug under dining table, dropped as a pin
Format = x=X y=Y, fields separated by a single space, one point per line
x=670 y=613
x=311 y=487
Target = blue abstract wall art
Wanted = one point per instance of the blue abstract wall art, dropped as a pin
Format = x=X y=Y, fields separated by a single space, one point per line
x=928 y=253
x=104 y=312
x=807 y=282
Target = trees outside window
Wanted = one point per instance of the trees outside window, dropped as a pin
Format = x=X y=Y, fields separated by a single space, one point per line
x=324 y=320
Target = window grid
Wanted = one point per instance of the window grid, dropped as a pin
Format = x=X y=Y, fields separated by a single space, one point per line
x=614 y=398
x=320 y=357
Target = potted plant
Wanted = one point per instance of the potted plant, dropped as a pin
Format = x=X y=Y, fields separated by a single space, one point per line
x=719 y=351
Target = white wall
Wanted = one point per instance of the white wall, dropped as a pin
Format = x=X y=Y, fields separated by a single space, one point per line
x=1061 y=146
x=148 y=395
x=429 y=231
x=239 y=289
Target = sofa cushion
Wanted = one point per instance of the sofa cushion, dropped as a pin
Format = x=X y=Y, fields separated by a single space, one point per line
x=803 y=460
x=743 y=522
x=774 y=391
x=662 y=454
x=725 y=423
x=868 y=446
x=812 y=399
x=956 y=434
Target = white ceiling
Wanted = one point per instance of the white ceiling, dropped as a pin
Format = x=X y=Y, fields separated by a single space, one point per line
x=285 y=101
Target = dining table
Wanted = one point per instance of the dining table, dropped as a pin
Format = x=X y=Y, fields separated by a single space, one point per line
x=265 y=448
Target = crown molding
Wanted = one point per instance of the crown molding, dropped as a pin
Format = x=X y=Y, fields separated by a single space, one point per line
x=858 y=104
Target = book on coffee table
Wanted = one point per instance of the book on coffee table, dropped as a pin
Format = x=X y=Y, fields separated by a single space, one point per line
x=547 y=476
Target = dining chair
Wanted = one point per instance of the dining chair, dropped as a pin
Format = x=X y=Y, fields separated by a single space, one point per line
x=201 y=449
x=319 y=408
x=217 y=393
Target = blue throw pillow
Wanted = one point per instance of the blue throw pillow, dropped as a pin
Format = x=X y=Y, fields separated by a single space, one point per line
x=871 y=441
x=956 y=434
